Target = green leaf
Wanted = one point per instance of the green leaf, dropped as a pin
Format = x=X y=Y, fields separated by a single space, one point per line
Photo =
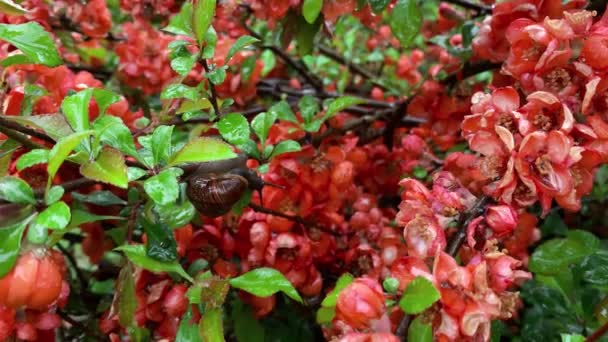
x=161 y=144
x=378 y=5
x=56 y=216
x=261 y=125
x=163 y=188
x=405 y=21
x=332 y=298
x=305 y=35
x=113 y=132
x=283 y=111
x=325 y=315
x=33 y=41
x=180 y=23
x=11 y=8
x=309 y=107
x=178 y=91
x=211 y=327
x=53 y=195
x=234 y=128
x=554 y=225
x=419 y=295
x=210 y=43
x=311 y=10
x=188 y=330
x=109 y=168
x=217 y=75
x=250 y=148
x=285 y=147
x=240 y=43
x=182 y=65
x=135 y=173
x=104 y=98
x=16 y=190
x=264 y=282
x=419 y=331
x=62 y=149
x=572 y=338
x=340 y=104
x=137 y=255
x=269 y=61
x=555 y=255
x=125 y=296
x=10 y=243
x=80 y=217
x=160 y=242
x=175 y=215
x=193 y=106
x=594 y=268
x=102 y=198
x=202 y=16
x=202 y=149
x=313 y=126
x=246 y=327
x=37 y=234
x=33 y=157
x=76 y=109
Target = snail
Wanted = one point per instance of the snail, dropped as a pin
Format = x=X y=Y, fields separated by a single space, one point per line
x=214 y=187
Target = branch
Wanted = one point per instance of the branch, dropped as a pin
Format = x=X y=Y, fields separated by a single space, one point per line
x=20 y=138
x=481 y=9
x=25 y=130
x=460 y=235
x=401 y=331
x=598 y=333
x=469 y=69
x=294 y=218
x=354 y=68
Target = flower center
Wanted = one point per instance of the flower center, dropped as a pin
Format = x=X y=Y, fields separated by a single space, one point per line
x=491 y=167
x=320 y=164
x=506 y=120
x=543 y=165
x=531 y=53
x=557 y=79
x=543 y=121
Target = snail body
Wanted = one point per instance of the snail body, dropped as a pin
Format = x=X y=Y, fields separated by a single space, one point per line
x=214 y=195
x=215 y=187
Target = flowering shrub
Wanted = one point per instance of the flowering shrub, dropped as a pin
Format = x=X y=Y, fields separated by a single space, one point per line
x=341 y=170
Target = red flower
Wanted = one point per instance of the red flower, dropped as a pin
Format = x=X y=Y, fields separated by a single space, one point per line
x=360 y=303
x=543 y=163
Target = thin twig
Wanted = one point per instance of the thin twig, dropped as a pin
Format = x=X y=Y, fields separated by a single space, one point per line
x=460 y=235
x=401 y=331
x=81 y=279
x=213 y=99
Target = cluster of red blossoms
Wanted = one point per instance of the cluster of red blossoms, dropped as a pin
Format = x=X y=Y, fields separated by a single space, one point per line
x=538 y=136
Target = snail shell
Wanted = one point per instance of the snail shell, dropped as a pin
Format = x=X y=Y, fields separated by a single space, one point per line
x=214 y=195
